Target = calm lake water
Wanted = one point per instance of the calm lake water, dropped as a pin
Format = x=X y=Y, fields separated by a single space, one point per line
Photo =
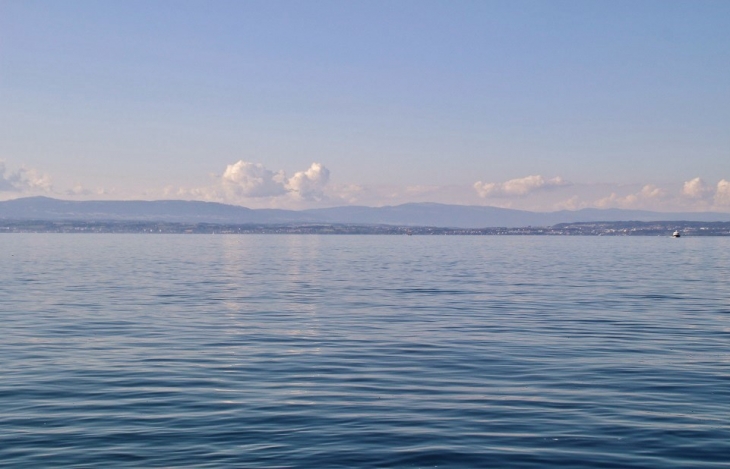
x=364 y=351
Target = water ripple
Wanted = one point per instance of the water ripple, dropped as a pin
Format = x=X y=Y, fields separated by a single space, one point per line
x=348 y=351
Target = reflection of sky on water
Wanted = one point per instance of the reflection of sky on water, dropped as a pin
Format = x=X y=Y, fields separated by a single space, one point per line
x=497 y=344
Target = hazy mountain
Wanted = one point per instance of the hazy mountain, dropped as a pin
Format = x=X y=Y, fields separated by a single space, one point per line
x=469 y=216
x=420 y=214
x=44 y=208
x=430 y=214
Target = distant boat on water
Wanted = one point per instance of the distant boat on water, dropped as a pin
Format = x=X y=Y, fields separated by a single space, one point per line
x=676 y=234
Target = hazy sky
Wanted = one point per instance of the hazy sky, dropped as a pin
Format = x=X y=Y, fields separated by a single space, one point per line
x=527 y=104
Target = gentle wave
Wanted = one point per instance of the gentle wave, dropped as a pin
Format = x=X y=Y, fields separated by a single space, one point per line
x=364 y=351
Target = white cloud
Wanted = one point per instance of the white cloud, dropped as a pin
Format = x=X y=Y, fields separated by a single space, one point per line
x=722 y=195
x=517 y=187
x=696 y=189
x=80 y=191
x=253 y=180
x=309 y=184
x=650 y=191
x=573 y=203
x=346 y=193
x=614 y=201
x=646 y=198
x=23 y=180
x=256 y=186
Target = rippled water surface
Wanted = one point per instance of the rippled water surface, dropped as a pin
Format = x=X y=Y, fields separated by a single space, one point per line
x=364 y=351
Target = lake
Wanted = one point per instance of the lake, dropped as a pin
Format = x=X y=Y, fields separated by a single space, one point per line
x=364 y=351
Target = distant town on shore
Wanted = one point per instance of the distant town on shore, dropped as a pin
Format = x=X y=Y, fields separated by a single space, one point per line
x=629 y=228
x=180 y=216
x=46 y=215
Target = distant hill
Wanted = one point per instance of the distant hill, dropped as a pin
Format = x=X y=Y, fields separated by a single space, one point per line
x=45 y=208
x=471 y=216
x=416 y=214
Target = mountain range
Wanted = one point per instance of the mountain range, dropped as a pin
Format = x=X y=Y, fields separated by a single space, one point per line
x=412 y=214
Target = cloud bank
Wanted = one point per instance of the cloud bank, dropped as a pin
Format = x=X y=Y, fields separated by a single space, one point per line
x=253 y=184
x=648 y=193
x=23 y=180
x=517 y=187
x=694 y=195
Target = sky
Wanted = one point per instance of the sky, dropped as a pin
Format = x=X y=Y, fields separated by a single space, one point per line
x=536 y=105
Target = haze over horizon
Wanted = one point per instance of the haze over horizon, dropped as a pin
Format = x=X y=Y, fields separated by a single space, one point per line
x=529 y=105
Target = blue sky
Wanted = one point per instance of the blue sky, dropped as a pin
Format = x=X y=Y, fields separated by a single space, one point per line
x=527 y=104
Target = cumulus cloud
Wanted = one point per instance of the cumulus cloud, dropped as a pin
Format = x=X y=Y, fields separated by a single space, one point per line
x=517 y=187
x=573 y=203
x=646 y=196
x=309 y=184
x=81 y=191
x=23 y=180
x=722 y=194
x=78 y=190
x=702 y=195
x=696 y=189
x=246 y=179
x=253 y=180
x=650 y=191
x=615 y=200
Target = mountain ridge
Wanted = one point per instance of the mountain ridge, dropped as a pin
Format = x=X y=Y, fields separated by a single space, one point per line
x=409 y=214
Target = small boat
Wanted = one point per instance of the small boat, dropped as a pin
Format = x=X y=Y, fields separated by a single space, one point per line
x=676 y=234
